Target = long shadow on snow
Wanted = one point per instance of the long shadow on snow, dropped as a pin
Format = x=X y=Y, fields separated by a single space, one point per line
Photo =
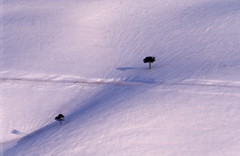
x=26 y=140
x=104 y=100
x=126 y=68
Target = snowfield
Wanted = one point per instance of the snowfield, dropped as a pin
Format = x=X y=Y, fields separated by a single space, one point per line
x=84 y=59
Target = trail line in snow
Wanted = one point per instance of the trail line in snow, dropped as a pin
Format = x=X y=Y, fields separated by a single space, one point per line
x=207 y=83
x=63 y=81
x=203 y=83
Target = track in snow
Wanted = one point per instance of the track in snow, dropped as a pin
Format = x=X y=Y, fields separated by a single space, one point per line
x=72 y=81
x=208 y=83
x=203 y=83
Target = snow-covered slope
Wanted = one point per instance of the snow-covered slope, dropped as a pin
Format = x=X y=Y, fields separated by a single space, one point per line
x=84 y=59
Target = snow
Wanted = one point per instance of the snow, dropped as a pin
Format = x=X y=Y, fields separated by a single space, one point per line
x=84 y=59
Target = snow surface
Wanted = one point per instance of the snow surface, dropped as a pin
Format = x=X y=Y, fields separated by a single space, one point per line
x=83 y=58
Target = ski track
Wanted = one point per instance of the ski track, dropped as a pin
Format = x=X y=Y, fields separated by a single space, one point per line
x=201 y=83
x=99 y=82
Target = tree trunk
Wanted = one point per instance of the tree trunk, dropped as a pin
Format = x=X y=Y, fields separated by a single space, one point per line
x=149 y=65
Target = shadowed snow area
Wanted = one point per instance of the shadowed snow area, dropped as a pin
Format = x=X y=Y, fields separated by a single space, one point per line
x=84 y=59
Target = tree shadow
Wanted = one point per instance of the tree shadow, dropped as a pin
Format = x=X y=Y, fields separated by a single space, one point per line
x=126 y=68
x=16 y=132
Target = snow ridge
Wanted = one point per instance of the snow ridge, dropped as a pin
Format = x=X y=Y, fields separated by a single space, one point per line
x=75 y=80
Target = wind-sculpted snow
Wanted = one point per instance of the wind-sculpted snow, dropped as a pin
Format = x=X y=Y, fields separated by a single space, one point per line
x=84 y=59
